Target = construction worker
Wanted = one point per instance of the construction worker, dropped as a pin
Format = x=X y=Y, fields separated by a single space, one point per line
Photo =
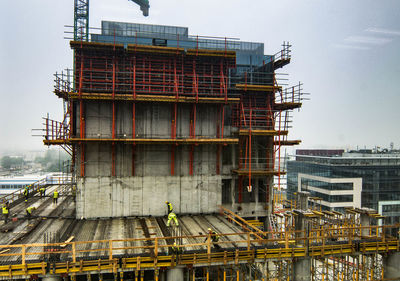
x=171 y=217
x=29 y=211
x=74 y=191
x=214 y=238
x=26 y=193
x=5 y=212
x=55 y=196
x=42 y=192
x=176 y=250
x=169 y=207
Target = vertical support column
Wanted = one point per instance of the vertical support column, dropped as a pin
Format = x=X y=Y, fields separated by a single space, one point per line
x=218 y=162
x=391 y=265
x=192 y=135
x=279 y=149
x=175 y=274
x=82 y=159
x=250 y=121
x=240 y=189
x=218 y=135
x=113 y=116
x=173 y=136
x=133 y=112
x=301 y=267
x=81 y=118
x=365 y=221
x=134 y=78
x=302 y=199
x=133 y=136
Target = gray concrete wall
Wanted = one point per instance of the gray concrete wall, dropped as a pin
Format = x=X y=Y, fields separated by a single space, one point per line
x=175 y=274
x=152 y=120
x=146 y=195
x=391 y=266
x=301 y=269
x=144 y=192
x=149 y=160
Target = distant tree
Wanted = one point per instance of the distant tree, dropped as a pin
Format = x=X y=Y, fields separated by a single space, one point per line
x=53 y=160
x=7 y=162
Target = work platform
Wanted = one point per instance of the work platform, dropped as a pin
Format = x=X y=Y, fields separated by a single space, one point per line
x=54 y=242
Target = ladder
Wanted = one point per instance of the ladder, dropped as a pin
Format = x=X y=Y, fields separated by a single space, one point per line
x=273 y=225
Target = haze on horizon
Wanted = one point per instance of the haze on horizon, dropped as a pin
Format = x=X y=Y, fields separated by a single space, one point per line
x=345 y=52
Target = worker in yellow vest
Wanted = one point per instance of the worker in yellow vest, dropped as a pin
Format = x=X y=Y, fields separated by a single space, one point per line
x=55 y=196
x=5 y=213
x=214 y=237
x=42 y=192
x=29 y=211
x=169 y=207
x=171 y=217
x=176 y=250
x=26 y=193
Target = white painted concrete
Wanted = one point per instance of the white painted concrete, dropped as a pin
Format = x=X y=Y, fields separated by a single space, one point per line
x=356 y=191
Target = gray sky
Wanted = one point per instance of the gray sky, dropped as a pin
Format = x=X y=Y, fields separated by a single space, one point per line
x=345 y=52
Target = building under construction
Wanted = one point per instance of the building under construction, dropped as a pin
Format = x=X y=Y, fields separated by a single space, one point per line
x=152 y=114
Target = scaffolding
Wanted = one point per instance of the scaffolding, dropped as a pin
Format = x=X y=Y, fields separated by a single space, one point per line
x=337 y=251
x=251 y=100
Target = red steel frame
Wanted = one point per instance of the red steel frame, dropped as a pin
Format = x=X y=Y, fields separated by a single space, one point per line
x=146 y=72
x=156 y=72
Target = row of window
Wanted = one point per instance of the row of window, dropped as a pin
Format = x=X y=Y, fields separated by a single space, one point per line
x=12 y=186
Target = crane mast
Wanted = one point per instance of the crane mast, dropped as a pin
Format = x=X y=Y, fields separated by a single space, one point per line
x=81 y=17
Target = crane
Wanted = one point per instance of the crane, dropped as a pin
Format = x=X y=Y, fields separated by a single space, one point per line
x=81 y=17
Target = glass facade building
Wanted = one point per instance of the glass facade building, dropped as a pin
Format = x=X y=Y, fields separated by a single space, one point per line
x=379 y=175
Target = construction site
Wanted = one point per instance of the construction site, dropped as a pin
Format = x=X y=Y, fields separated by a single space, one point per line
x=154 y=115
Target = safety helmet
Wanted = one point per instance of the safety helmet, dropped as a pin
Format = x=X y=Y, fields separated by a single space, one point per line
x=166 y=202
x=209 y=229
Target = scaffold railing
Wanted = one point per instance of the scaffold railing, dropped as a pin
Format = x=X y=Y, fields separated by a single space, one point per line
x=55 y=130
x=284 y=53
x=35 y=187
x=293 y=94
x=266 y=244
x=161 y=82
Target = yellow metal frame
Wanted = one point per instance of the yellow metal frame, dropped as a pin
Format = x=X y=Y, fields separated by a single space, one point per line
x=194 y=141
x=145 y=98
x=262 y=132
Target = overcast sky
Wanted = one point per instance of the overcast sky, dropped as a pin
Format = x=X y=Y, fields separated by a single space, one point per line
x=347 y=54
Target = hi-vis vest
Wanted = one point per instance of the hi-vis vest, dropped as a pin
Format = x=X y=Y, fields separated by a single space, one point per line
x=5 y=210
x=214 y=237
x=55 y=194
x=170 y=208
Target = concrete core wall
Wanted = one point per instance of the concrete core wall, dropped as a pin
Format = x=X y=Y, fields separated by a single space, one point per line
x=152 y=120
x=141 y=196
x=146 y=175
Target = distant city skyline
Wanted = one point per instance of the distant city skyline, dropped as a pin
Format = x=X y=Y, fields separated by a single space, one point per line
x=345 y=53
